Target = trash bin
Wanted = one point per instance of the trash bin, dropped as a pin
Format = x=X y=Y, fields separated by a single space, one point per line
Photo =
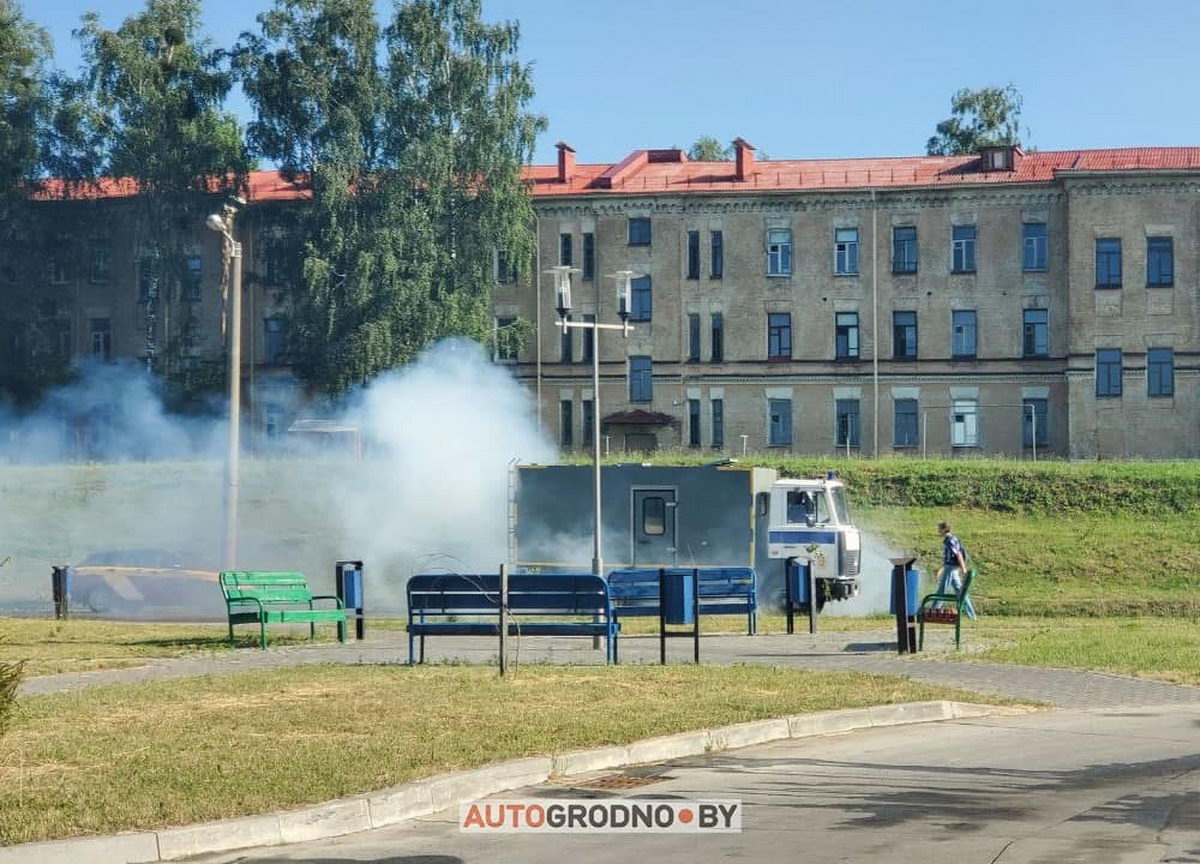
x=679 y=596
x=912 y=592
x=60 y=590
x=348 y=586
x=906 y=597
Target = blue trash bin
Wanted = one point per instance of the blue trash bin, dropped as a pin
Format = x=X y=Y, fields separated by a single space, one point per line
x=798 y=583
x=679 y=596
x=912 y=592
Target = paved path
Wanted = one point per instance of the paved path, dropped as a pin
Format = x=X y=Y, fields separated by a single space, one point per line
x=1062 y=786
x=866 y=651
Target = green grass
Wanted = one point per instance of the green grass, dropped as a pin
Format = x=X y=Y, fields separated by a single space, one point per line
x=128 y=757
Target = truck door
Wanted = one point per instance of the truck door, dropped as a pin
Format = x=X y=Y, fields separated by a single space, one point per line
x=653 y=527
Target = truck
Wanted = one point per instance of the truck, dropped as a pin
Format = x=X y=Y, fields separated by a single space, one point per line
x=723 y=514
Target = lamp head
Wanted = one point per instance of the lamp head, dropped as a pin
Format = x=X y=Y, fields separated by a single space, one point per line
x=562 y=289
x=624 y=293
x=216 y=223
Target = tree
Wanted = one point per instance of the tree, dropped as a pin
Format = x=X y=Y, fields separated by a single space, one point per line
x=150 y=106
x=24 y=50
x=978 y=118
x=414 y=160
x=709 y=149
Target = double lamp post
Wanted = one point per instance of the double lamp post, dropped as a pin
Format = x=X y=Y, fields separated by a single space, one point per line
x=562 y=305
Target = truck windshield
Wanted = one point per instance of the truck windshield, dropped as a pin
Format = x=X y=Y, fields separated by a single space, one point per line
x=842 y=506
x=803 y=503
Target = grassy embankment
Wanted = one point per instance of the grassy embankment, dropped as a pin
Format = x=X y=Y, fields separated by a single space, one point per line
x=116 y=758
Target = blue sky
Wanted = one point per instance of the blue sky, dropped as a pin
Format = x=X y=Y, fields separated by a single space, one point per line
x=800 y=79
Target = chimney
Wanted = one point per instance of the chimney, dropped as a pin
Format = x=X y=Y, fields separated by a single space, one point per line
x=566 y=162
x=745 y=158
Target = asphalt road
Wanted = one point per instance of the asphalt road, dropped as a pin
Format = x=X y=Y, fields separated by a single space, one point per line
x=1095 y=785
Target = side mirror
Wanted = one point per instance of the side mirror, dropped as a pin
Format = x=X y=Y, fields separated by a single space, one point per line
x=810 y=519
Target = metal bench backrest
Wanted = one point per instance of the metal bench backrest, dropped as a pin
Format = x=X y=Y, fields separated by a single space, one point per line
x=265 y=586
x=528 y=593
x=714 y=582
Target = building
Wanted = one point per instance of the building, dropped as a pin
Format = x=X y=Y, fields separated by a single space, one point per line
x=995 y=303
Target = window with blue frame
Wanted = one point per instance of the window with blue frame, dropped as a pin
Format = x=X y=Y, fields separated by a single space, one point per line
x=779 y=336
x=1160 y=372
x=639 y=231
x=1108 y=262
x=904 y=249
x=693 y=422
x=1160 y=261
x=640 y=379
x=904 y=426
x=962 y=252
x=694 y=337
x=565 y=250
x=1108 y=372
x=845 y=252
x=589 y=256
x=717 y=347
x=845 y=336
x=779 y=426
x=847 y=422
x=1036 y=337
x=1035 y=426
x=718 y=422
x=963 y=333
x=642 y=299
x=717 y=268
x=566 y=424
x=693 y=254
x=779 y=252
x=904 y=335
x=1035 y=246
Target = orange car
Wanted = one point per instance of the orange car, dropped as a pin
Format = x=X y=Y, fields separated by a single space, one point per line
x=145 y=584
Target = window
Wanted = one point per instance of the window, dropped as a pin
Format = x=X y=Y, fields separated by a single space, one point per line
x=565 y=256
x=904 y=250
x=589 y=256
x=654 y=516
x=846 y=336
x=505 y=271
x=779 y=336
x=904 y=425
x=1033 y=424
x=565 y=423
x=962 y=257
x=964 y=423
x=779 y=430
x=274 y=339
x=779 y=252
x=717 y=349
x=693 y=422
x=639 y=231
x=193 y=275
x=147 y=279
x=588 y=340
x=643 y=299
x=100 y=267
x=1108 y=372
x=717 y=265
x=847 y=422
x=589 y=420
x=640 y=379
x=506 y=345
x=904 y=335
x=718 y=422
x=1160 y=261
x=694 y=337
x=1036 y=338
x=963 y=333
x=693 y=254
x=566 y=343
x=1108 y=262
x=1033 y=235
x=1160 y=372
x=101 y=330
x=845 y=252
x=56 y=270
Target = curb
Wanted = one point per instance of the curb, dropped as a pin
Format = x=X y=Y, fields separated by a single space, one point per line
x=424 y=797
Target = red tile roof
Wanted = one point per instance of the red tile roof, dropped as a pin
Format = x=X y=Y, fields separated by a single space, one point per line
x=657 y=171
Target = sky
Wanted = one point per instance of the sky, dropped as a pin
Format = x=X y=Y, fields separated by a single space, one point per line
x=808 y=80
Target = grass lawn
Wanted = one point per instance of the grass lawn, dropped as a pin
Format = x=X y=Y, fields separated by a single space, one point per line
x=126 y=757
x=1078 y=564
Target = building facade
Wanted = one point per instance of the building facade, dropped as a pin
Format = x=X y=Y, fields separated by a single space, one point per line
x=995 y=303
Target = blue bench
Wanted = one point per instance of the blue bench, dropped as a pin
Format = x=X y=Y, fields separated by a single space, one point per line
x=723 y=591
x=581 y=600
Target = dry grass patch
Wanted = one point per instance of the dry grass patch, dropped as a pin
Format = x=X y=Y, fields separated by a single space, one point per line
x=135 y=757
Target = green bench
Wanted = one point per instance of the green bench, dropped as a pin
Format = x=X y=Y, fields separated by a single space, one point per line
x=258 y=597
x=931 y=614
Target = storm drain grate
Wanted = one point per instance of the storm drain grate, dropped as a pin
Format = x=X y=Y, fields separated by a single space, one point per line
x=621 y=781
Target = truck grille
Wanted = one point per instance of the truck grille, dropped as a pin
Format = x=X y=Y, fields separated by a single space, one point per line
x=853 y=561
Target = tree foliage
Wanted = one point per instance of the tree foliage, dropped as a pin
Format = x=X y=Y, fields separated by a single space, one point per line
x=709 y=149
x=978 y=118
x=24 y=51
x=413 y=137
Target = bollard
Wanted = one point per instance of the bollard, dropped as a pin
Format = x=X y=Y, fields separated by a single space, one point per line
x=905 y=600
x=60 y=589
x=348 y=586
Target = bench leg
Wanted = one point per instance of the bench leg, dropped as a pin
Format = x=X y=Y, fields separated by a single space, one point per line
x=958 y=632
x=410 y=645
x=921 y=633
x=312 y=630
x=342 y=633
x=262 y=634
x=231 y=645
x=422 y=648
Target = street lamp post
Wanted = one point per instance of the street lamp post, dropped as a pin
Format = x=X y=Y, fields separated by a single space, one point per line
x=562 y=305
x=222 y=223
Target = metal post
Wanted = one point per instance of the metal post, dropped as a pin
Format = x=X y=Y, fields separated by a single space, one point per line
x=503 y=618
x=597 y=556
x=924 y=434
x=232 y=467
x=875 y=324
x=811 y=575
x=788 y=564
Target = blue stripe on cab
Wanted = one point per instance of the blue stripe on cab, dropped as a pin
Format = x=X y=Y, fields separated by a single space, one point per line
x=802 y=537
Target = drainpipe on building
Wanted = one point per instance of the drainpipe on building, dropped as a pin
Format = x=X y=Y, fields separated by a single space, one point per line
x=875 y=324
x=537 y=296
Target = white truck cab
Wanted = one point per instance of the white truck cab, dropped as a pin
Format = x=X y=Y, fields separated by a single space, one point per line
x=810 y=521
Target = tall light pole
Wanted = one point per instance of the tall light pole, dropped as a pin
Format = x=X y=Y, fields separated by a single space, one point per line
x=562 y=305
x=222 y=223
